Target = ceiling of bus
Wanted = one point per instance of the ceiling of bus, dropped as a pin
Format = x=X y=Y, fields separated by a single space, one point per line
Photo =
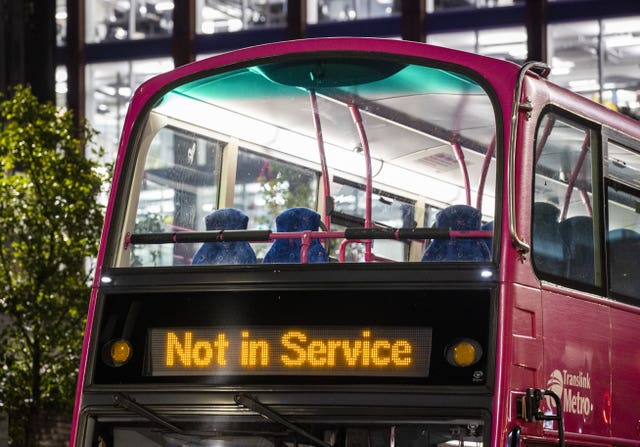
x=409 y=118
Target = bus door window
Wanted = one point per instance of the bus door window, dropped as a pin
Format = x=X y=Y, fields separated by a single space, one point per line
x=563 y=235
x=623 y=219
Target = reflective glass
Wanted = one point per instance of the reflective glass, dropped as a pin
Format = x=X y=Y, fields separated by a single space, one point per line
x=111 y=20
x=576 y=50
x=292 y=136
x=109 y=87
x=61 y=22
x=562 y=239
x=501 y=43
x=61 y=86
x=438 y=5
x=623 y=240
x=237 y=432
x=222 y=16
x=319 y=11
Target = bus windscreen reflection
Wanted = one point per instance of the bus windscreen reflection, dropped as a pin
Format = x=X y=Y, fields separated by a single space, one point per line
x=458 y=433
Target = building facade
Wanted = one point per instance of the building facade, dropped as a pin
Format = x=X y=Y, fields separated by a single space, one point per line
x=105 y=48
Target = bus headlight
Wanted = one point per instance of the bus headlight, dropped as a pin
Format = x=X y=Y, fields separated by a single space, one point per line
x=118 y=352
x=463 y=352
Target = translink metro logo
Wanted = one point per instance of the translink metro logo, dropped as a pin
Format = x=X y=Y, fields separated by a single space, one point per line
x=574 y=391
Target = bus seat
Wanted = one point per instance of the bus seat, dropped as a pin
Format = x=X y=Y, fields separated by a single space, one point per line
x=547 y=245
x=462 y=218
x=623 y=248
x=225 y=252
x=288 y=250
x=577 y=234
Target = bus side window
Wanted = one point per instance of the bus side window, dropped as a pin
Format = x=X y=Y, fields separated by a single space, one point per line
x=549 y=249
x=562 y=233
x=623 y=247
x=623 y=219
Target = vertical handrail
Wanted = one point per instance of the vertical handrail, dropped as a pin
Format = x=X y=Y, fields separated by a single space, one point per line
x=326 y=217
x=485 y=170
x=457 y=150
x=517 y=242
x=548 y=127
x=574 y=176
x=357 y=119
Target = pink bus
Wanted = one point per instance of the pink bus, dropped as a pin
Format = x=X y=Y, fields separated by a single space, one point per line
x=366 y=243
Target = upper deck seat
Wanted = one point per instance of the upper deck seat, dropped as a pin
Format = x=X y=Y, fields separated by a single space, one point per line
x=288 y=250
x=548 y=247
x=461 y=218
x=577 y=234
x=623 y=248
x=225 y=252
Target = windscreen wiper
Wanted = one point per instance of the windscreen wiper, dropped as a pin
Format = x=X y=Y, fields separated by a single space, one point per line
x=124 y=401
x=127 y=403
x=252 y=404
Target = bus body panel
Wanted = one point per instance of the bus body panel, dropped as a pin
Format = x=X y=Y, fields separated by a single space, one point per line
x=577 y=362
x=587 y=359
x=547 y=336
x=621 y=406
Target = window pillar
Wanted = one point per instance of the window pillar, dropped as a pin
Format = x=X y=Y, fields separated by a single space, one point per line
x=184 y=30
x=413 y=20
x=536 y=23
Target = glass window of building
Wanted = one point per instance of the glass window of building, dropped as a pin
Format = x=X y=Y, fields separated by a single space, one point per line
x=460 y=40
x=438 y=5
x=61 y=22
x=109 y=87
x=599 y=59
x=573 y=53
x=221 y=16
x=501 y=43
x=319 y=11
x=61 y=86
x=112 y=20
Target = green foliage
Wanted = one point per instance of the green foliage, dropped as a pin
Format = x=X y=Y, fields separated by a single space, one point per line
x=284 y=187
x=50 y=223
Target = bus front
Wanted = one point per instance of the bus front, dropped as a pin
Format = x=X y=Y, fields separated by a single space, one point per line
x=299 y=251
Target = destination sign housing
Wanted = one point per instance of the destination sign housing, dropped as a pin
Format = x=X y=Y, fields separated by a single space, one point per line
x=279 y=350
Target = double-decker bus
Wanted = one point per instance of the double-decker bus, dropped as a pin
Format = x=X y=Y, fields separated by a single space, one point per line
x=355 y=242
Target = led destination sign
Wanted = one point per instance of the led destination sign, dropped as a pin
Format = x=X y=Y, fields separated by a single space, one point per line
x=279 y=350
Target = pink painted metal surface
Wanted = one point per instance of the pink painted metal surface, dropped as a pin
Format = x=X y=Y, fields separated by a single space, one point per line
x=326 y=217
x=485 y=170
x=457 y=150
x=368 y=223
x=587 y=343
x=499 y=74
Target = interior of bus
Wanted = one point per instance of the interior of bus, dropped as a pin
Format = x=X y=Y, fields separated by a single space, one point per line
x=359 y=159
x=572 y=241
x=311 y=148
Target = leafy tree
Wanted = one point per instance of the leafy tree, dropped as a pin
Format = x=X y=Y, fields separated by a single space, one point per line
x=50 y=223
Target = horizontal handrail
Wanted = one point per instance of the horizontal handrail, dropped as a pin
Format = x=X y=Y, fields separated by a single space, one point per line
x=269 y=236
